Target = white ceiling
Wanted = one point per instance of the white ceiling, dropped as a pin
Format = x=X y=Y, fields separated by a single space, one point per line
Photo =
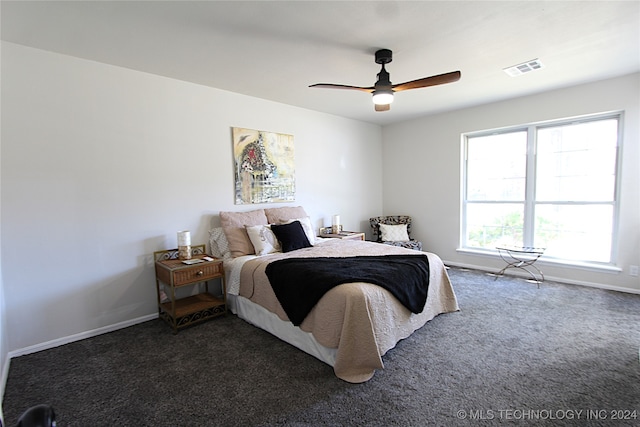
x=276 y=49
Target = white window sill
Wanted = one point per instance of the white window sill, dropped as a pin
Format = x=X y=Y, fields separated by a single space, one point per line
x=604 y=268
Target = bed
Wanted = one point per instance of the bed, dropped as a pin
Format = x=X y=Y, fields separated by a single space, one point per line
x=354 y=324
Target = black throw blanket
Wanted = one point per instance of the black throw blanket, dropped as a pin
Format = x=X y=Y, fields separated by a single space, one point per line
x=299 y=283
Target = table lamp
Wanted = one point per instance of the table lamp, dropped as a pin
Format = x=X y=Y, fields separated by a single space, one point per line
x=184 y=245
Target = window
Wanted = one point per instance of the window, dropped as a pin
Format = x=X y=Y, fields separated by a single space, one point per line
x=551 y=185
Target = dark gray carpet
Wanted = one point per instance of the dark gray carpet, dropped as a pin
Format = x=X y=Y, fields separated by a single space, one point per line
x=514 y=354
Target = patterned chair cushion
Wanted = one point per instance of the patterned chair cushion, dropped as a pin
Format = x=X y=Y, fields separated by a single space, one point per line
x=411 y=244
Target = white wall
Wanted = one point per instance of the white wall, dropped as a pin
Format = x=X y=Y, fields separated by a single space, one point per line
x=422 y=172
x=102 y=165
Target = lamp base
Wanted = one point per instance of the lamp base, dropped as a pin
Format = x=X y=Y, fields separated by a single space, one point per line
x=184 y=252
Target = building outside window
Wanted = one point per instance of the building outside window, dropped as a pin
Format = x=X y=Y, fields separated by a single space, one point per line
x=551 y=185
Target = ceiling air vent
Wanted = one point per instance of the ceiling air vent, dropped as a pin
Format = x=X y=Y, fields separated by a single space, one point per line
x=524 y=68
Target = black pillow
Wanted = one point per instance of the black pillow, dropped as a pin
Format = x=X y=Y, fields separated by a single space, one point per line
x=291 y=236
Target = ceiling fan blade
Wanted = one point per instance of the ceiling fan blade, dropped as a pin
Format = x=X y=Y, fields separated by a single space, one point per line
x=383 y=107
x=332 y=86
x=440 y=79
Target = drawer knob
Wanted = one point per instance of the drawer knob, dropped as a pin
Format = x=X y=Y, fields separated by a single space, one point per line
x=200 y=273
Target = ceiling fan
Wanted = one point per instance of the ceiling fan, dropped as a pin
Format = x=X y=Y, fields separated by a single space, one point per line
x=383 y=90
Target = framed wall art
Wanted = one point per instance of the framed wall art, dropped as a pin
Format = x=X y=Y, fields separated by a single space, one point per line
x=263 y=167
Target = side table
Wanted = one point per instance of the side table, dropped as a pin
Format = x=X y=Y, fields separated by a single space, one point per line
x=174 y=273
x=344 y=235
x=521 y=257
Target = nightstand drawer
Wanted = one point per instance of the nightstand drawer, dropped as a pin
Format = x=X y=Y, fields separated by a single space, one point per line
x=197 y=273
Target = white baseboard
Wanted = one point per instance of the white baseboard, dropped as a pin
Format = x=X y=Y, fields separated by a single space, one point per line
x=77 y=337
x=515 y=272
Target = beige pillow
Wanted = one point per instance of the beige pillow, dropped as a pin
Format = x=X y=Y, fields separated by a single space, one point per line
x=394 y=233
x=284 y=214
x=234 y=223
x=263 y=239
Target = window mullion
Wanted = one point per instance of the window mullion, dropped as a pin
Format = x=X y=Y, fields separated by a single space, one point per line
x=530 y=188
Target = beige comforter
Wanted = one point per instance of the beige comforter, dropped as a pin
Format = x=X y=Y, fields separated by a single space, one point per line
x=361 y=320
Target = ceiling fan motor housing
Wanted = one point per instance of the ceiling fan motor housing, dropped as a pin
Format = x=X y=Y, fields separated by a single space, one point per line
x=383 y=56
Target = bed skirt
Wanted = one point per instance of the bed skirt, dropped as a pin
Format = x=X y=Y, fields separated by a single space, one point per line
x=264 y=319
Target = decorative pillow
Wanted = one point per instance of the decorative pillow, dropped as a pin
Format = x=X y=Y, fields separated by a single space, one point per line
x=263 y=239
x=233 y=224
x=306 y=226
x=218 y=243
x=291 y=236
x=284 y=214
x=394 y=233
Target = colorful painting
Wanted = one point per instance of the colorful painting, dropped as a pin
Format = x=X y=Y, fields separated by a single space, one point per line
x=263 y=166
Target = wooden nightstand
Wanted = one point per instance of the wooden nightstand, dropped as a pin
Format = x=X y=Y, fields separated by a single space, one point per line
x=345 y=235
x=172 y=272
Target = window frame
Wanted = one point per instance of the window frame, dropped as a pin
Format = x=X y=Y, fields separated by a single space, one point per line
x=530 y=201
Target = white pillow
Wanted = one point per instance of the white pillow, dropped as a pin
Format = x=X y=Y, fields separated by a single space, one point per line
x=218 y=243
x=306 y=226
x=263 y=239
x=394 y=233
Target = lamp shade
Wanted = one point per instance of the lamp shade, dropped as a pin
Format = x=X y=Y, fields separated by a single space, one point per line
x=184 y=238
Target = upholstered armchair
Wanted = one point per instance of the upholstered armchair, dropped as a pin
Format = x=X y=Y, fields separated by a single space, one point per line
x=395 y=230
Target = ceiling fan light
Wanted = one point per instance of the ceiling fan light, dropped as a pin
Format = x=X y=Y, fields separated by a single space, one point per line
x=382 y=97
